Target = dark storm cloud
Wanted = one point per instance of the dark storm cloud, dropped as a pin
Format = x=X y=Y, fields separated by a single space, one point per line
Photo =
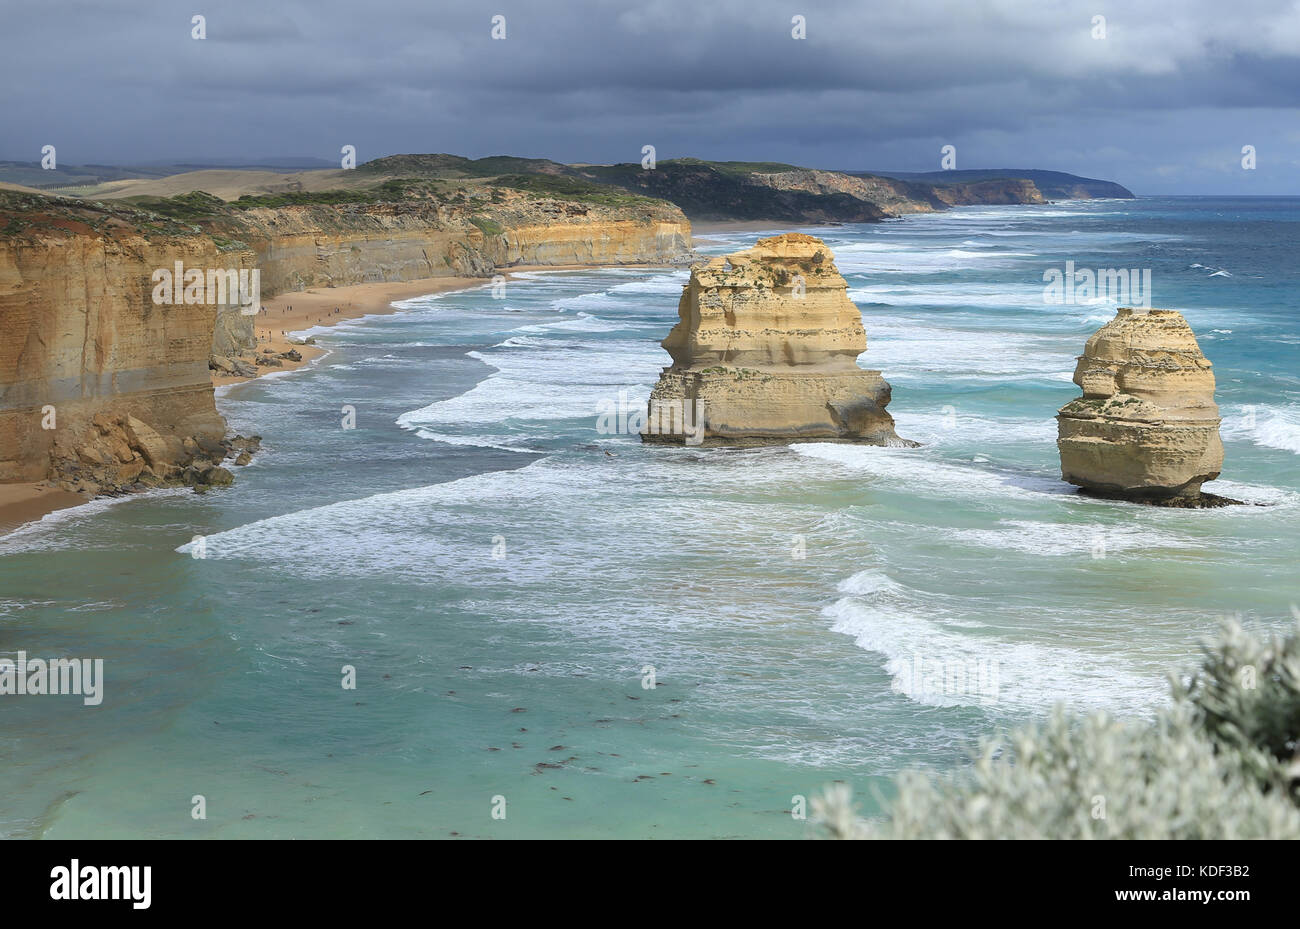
x=1164 y=103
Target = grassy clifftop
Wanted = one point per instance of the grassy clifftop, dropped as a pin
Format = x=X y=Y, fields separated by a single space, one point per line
x=702 y=190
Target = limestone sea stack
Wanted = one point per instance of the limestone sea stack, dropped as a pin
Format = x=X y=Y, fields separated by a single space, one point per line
x=1146 y=428
x=766 y=351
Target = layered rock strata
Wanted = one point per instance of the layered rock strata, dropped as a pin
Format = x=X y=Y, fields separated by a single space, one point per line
x=1147 y=427
x=765 y=351
x=897 y=197
x=81 y=333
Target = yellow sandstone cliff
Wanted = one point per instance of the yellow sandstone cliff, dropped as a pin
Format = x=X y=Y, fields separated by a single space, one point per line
x=1147 y=426
x=103 y=389
x=765 y=351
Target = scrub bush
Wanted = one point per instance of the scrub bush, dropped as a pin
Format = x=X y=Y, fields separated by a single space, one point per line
x=1220 y=762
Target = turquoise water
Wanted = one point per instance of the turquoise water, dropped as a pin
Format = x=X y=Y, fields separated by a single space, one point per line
x=500 y=574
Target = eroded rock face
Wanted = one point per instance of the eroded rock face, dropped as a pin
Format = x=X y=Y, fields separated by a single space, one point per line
x=1147 y=426
x=765 y=351
x=80 y=334
x=123 y=454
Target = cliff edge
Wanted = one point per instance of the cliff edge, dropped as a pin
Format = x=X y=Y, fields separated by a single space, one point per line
x=104 y=388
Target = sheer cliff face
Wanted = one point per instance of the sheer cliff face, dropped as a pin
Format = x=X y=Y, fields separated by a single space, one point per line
x=1147 y=427
x=898 y=197
x=1000 y=191
x=893 y=196
x=765 y=351
x=80 y=332
x=333 y=246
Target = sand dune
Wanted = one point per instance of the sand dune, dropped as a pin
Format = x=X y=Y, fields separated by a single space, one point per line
x=231 y=184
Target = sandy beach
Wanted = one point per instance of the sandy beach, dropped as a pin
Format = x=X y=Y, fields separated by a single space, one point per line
x=325 y=306
x=285 y=313
x=25 y=503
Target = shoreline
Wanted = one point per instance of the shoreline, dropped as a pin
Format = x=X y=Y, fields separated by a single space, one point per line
x=326 y=306
x=29 y=502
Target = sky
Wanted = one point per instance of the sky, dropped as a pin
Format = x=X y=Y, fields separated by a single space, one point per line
x=1161 y=97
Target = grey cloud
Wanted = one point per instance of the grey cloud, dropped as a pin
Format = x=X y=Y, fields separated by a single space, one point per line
x=1010 y=82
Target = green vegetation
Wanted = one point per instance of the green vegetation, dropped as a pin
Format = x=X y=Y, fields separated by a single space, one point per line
x=561 y=187
x=737 y=168
x=305 y=198
x=450 y=166
x=487 y=226
x=228 y=245
x=1221 y=762
x=192 y=207
x=403 y=188
x=23 y=214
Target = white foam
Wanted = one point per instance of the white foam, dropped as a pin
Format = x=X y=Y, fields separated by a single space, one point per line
x=912 y=631
x=902 y=348
x=920 y=470
x=1250 y=493
x=663 y=284
x=1050 y=539
x=547 y=379
x=931 y=427
x=499 y=442
x=46 y=533
x=1266 y=425
x=583 y=322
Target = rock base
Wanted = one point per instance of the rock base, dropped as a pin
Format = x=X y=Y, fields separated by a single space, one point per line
x=1200 y=500
x=122 y=454
x=749 y=406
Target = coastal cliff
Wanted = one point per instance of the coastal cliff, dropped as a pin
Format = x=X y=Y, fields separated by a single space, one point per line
x=81 y=336
x=103 y=389
x=309 y=245
x=1147 y=427
x=765 y=351
x=897 y=197
x=1055 y=185
x=716 y=191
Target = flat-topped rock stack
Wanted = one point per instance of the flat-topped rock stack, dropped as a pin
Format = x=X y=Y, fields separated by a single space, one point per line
x=1147 y=427
x=765 y=351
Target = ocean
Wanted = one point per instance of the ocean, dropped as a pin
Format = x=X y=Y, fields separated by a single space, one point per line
x=504 y=581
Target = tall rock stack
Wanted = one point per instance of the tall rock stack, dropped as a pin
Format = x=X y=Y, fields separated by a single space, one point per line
x=765 y=351
x=1147 y=427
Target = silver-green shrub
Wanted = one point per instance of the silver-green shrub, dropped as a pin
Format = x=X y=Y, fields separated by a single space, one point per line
x=1220 y=762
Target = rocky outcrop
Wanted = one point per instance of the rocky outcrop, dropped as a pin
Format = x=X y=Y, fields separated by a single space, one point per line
x=1055 y=185
x=893 y=196
x=81 y=334
x=765 y=351
x=122 y=454
x=1146 y=428
x=1001 y=191
x=899 y=197
x=725 y=191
